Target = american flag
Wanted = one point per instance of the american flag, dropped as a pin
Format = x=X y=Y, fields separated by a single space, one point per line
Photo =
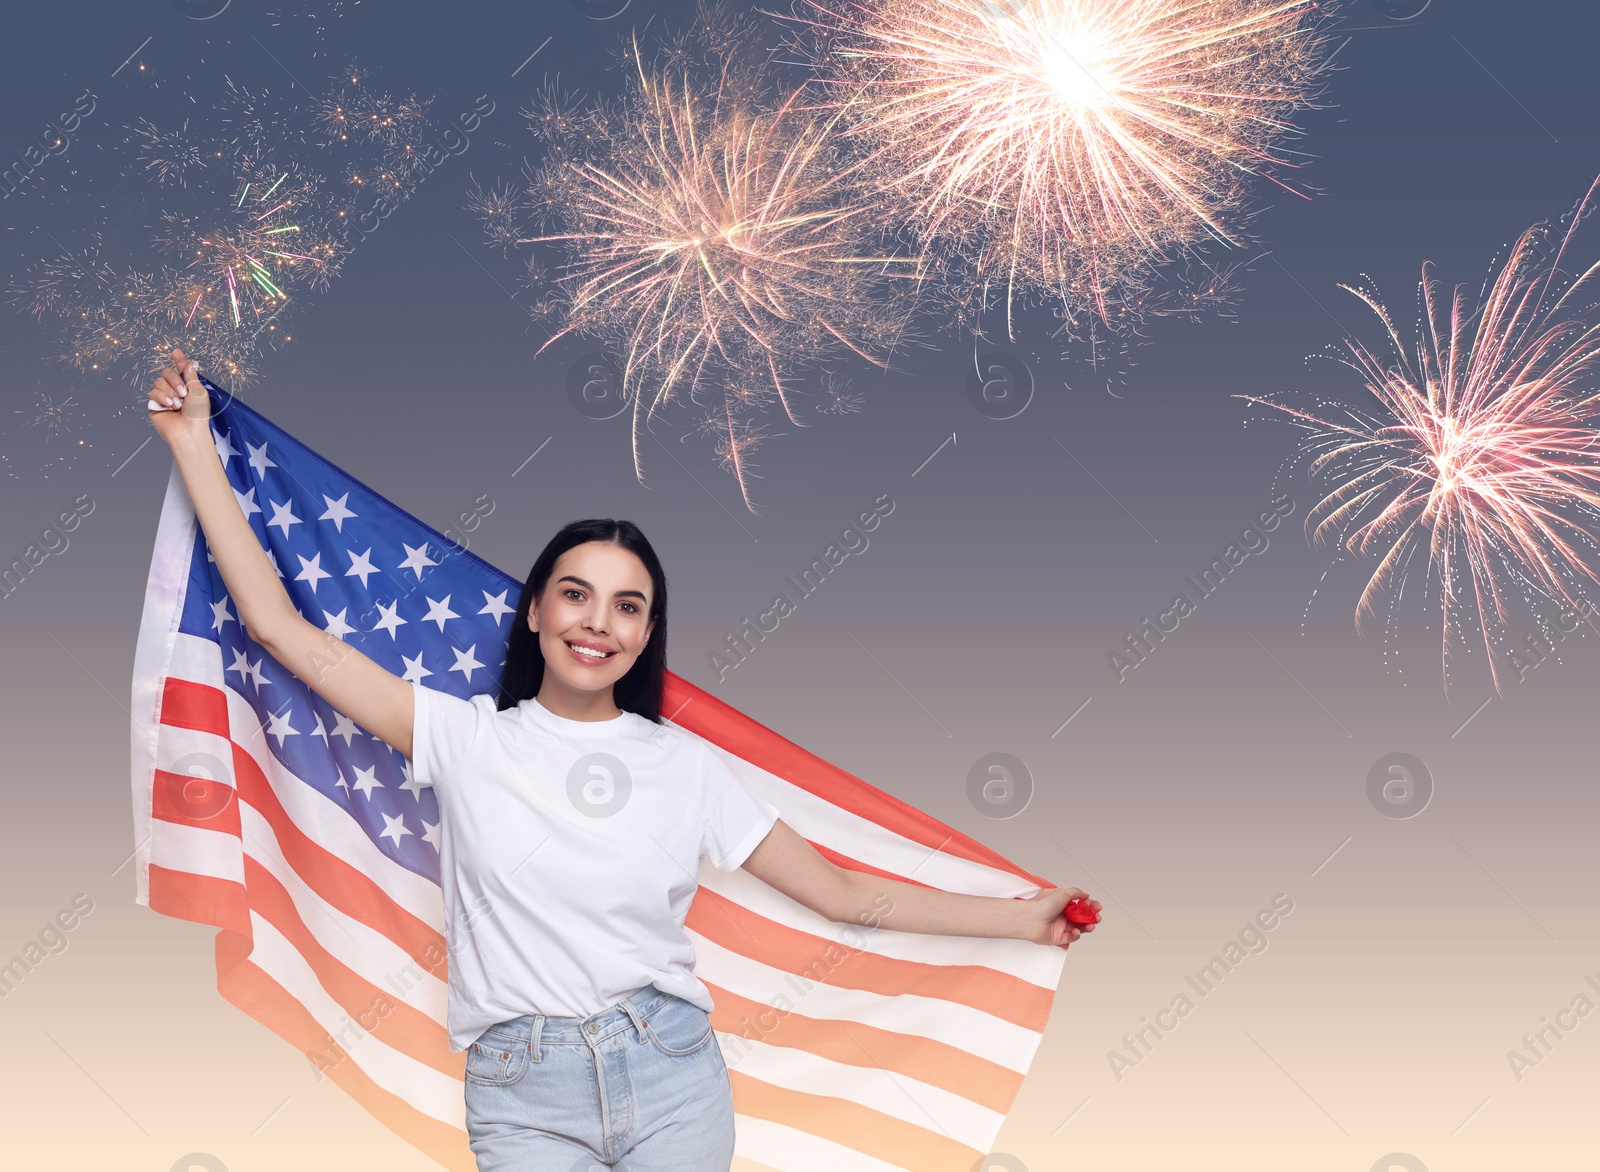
x=310 y=844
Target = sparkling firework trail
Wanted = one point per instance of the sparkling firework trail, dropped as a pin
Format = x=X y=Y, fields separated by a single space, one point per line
x=1483 y=452
x=251 y=225
x=1064 y=149
x=170 y=156
x=716 y=245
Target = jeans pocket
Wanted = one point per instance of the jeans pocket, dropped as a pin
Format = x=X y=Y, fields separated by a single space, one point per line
x=678 y=1028
x=497 y=1059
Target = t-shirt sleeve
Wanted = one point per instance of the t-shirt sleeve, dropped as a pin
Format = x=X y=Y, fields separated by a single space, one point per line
x=443 y=728
x=735 y=819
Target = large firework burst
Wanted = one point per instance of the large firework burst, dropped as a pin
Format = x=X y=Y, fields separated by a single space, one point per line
x=714 y=243
x=1062 y=150
x=1480 y=464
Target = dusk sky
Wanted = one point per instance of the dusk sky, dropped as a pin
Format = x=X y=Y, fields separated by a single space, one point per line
x=993 y=609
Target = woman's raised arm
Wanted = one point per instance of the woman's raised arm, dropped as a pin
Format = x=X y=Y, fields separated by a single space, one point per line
x=369 y=694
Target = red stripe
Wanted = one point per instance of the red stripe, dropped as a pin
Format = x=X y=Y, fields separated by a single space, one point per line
x=375 y=1010
x=853 y=1042
x=738 y=929
x=704 y=714
x=246 y=985
x=194 y=801
x=204 y=899
x=343 y=886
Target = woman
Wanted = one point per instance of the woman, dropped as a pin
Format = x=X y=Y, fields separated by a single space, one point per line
x=572 y=825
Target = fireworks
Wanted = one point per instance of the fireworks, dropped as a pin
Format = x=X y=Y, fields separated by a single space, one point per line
x=395 y=128
x=1483 y=453
x=1063 y=150
x=250 y=225
x=170 y=156
x=55 y=415
x=714 y=243
x=496 y=208
x=838 y=396
x=244 y=257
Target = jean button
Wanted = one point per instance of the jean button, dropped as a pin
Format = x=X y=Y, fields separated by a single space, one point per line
x=592 y=1027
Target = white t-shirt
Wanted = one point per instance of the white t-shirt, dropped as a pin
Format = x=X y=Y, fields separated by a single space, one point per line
x=570 y=852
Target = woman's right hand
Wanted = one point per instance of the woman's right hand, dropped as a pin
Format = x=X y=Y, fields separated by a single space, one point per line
x=179 y=404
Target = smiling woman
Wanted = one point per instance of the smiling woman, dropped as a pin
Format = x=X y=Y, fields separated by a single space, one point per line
x=574 y=820
x=593 y=612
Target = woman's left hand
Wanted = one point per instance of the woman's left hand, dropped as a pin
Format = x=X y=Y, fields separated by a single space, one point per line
x=1046 y=924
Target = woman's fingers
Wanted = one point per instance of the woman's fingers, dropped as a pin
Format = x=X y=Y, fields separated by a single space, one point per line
x=169 y=390
x=161 y=390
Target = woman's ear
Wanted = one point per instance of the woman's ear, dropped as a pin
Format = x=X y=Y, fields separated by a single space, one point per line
x=533 y=616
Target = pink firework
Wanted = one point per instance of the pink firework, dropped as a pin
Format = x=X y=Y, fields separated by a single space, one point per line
x=1066 y=148
x=1484 y=450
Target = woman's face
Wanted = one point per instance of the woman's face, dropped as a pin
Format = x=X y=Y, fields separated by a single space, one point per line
x=593 y=616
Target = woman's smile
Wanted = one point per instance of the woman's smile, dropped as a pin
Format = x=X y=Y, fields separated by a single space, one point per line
x=588 y=652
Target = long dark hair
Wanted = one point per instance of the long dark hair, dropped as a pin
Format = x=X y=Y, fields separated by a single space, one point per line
x=639 y=690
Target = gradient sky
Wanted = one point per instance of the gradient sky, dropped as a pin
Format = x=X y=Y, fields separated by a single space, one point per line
x=1231 y=766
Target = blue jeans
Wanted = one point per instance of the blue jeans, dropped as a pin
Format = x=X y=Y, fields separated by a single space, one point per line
x=639 y=1087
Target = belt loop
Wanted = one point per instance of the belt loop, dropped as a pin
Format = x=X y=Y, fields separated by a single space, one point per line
x=534 y=1049
x=638 y=1018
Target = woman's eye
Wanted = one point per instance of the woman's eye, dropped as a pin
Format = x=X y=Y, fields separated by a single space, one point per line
x=630 y=608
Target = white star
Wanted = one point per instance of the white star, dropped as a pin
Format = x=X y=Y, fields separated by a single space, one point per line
x=258 y=459
x=311 y=571
x=319 y=731
x=342 y=783
x=344 y=727
x=283 y=515
x=240 y=664
x=337 y=627
x=271 y=557
x=367 y=781
x=257 y=675
x=220 y=614
x=430 y=833
x=394 y=828
x=360 y=566
x=416 y=559
x=336 y=511
x=465 y=663
x=247 y=500
x=439 y=611
x=225 y=448
x=391 y=618
x=280 y=728
x=496 y=606
x=413 y=785
x=414 y=670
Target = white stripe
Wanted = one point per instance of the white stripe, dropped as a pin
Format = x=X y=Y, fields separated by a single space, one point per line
x=788 y=1149
x=421 y=1086
x=164 y=592
x=960 y=1026
x=196 y=851
x=1019 y=958
x=890 y=1093
x=864 y=840
x=319 y=817
x=362 y=949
